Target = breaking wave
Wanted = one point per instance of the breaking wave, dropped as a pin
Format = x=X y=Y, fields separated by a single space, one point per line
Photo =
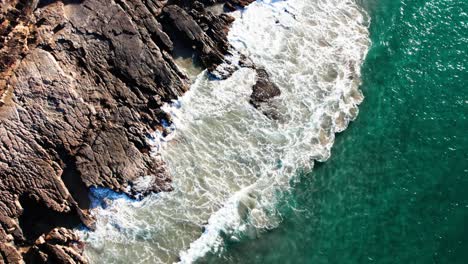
x=230 y=163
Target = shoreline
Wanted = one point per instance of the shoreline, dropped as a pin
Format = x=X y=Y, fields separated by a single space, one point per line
x=223 y=144
x=89 y=82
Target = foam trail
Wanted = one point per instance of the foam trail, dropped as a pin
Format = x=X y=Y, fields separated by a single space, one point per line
x=230 y=162
x=334 y=105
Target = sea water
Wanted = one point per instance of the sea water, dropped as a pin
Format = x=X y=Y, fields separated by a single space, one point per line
x=395 y=187
x=231 y=164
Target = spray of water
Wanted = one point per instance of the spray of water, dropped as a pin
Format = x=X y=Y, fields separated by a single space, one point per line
x=231 y=163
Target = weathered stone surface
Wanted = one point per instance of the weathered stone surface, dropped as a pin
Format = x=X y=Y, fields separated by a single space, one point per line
x=9 y=254
x=202 y=31
x=59 y=246
x=15 y=27
x=81 y=86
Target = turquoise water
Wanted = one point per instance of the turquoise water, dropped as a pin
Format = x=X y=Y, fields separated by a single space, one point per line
x=395 y=189
x=228 y=160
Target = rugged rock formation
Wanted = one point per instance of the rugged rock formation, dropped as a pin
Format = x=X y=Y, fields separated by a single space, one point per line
x=15 y=27
x=81 y=85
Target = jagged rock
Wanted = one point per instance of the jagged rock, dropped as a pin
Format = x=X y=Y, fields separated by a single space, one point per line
x=204 y=32
x=59 y=246
x=81 y=86
x=263 y=91
x=233 y=4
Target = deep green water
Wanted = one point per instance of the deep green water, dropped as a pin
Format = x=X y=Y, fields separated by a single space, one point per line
x=396 y=187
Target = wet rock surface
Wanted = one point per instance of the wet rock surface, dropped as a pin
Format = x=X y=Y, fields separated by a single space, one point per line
x=81 y=86
x=263 y=91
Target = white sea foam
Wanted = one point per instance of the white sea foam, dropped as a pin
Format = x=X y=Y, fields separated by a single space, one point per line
x=230 y=162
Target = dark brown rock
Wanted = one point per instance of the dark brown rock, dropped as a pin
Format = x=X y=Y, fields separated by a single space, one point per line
x=234 y=4
x=263 y=91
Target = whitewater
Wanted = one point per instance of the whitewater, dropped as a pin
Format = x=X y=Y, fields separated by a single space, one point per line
x=231 y=164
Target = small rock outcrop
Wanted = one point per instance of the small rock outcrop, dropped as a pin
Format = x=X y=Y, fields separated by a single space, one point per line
x=264 y=90
x=233 y=4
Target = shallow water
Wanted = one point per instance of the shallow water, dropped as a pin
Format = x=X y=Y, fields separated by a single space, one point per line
x=233 y=166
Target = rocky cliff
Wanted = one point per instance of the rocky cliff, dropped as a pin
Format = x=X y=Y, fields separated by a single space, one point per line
x=81 y=86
